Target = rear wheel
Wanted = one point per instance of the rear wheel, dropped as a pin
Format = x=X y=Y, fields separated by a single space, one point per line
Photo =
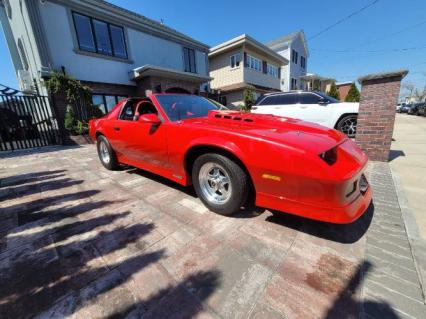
x=220 y=183
x=347 y=125
x=106 y=153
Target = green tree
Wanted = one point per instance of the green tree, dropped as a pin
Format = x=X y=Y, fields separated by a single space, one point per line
x=249 y=100
x=334 y=92
x=353 y=94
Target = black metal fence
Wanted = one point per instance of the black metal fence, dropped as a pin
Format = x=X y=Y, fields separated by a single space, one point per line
x=26 y=121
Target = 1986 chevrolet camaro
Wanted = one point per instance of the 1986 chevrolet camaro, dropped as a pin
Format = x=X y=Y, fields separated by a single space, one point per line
x=288 y=165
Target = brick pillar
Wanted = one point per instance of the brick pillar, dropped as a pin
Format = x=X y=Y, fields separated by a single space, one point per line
x=377 y=108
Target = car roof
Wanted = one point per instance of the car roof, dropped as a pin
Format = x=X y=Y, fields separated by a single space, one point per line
x=288 y=92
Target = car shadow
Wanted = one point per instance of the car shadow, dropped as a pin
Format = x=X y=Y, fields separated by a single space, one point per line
x=342 y=233
x=348 y=233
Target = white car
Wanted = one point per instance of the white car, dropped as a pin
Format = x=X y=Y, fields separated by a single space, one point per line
x=314 y=107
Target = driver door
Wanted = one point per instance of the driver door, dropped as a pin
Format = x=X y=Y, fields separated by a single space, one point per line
x=146 y=142
x=310 y=109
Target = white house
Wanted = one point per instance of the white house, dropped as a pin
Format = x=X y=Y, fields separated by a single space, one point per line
x=114 y=51
x=294 y=48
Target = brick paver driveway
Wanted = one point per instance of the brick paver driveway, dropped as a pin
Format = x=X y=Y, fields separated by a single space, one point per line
x=79 y=241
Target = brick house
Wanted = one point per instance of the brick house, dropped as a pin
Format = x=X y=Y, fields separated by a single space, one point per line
x=241 y=63
x=343 y=89
x=114 y=51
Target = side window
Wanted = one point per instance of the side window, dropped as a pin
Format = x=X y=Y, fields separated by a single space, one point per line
x=308 y=98
x=146 y=108
x=270 y=100
x=286 y=99
x=128 y=111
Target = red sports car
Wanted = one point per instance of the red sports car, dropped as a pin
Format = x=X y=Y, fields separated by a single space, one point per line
x=288 y=165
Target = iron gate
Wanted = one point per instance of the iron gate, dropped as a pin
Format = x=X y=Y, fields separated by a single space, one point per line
x=26 y=121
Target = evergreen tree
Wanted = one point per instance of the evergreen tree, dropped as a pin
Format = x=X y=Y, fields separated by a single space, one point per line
x=353 y=94
x=334 y=92
x=249 y=99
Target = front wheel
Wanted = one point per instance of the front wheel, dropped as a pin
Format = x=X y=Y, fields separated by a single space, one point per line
x=347 y=125
x=220 y=183
x=106 y=153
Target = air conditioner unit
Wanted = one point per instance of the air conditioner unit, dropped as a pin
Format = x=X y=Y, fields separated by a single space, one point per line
x=25 y=81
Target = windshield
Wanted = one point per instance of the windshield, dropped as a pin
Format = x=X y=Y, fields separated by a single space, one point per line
x=181 y=107
x=331 y=99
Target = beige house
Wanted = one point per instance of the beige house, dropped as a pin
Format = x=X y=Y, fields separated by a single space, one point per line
x=315 y=82
x=241 y=63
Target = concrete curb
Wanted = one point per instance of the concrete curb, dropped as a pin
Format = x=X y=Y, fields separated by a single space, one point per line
x=417 y=243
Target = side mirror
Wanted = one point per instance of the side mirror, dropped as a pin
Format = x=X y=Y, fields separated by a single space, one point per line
x=323 y=101
x=149 y=118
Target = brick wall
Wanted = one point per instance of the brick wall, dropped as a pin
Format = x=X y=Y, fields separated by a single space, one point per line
x=379 y=96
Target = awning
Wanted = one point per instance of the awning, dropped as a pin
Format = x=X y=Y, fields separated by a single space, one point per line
x=152 y=70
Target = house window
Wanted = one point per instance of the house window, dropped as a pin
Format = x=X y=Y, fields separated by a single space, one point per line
x=254 y=63
x=303 y=62
x=189 y=60
x=294 y=56
x=293 y=84
x=235 y=60
x=273 y=70
x=105 y=103
x=100 y=37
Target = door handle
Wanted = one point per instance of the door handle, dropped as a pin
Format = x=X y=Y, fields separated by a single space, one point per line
x=116 y=129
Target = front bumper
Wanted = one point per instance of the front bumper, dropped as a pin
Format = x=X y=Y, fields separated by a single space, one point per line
x=337 y=215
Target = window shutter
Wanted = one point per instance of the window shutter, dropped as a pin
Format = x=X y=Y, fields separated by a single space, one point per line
x=265 y=67
x=279 y=72
x=245 y=59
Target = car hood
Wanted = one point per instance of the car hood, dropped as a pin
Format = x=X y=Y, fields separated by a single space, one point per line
x=287 y=132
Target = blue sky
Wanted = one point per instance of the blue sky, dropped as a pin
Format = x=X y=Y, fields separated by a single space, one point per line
x=388 y=35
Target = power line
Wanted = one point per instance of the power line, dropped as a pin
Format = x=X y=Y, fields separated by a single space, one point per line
x=375 y=40
x=394 y=33
x=344 y=19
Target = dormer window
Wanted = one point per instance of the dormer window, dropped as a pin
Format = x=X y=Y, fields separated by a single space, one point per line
x=99 y=37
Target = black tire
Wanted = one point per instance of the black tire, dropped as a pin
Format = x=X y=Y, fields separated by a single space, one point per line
x=239 y=182
x=112 y=164
x=342 y=125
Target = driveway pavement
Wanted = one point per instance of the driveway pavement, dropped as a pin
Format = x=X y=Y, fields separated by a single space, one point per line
x=82 y=242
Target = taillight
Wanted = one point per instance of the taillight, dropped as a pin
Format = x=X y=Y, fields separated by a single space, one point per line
x=330 y=156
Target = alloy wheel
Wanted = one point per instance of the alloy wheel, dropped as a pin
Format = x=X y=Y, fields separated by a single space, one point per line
x=215 y=183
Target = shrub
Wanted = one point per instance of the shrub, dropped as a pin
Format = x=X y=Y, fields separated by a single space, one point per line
x=334 y=92
x=249 y=100
x=353 y=94
x=69 y=118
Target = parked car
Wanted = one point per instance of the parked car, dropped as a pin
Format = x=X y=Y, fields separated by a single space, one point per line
x=422 y=109
x=414 y=108
x=404 y=108
x=230 y=157
x=399 y=106
x=313 y=107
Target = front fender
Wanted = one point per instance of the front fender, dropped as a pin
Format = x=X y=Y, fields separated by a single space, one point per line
x=219 y=143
